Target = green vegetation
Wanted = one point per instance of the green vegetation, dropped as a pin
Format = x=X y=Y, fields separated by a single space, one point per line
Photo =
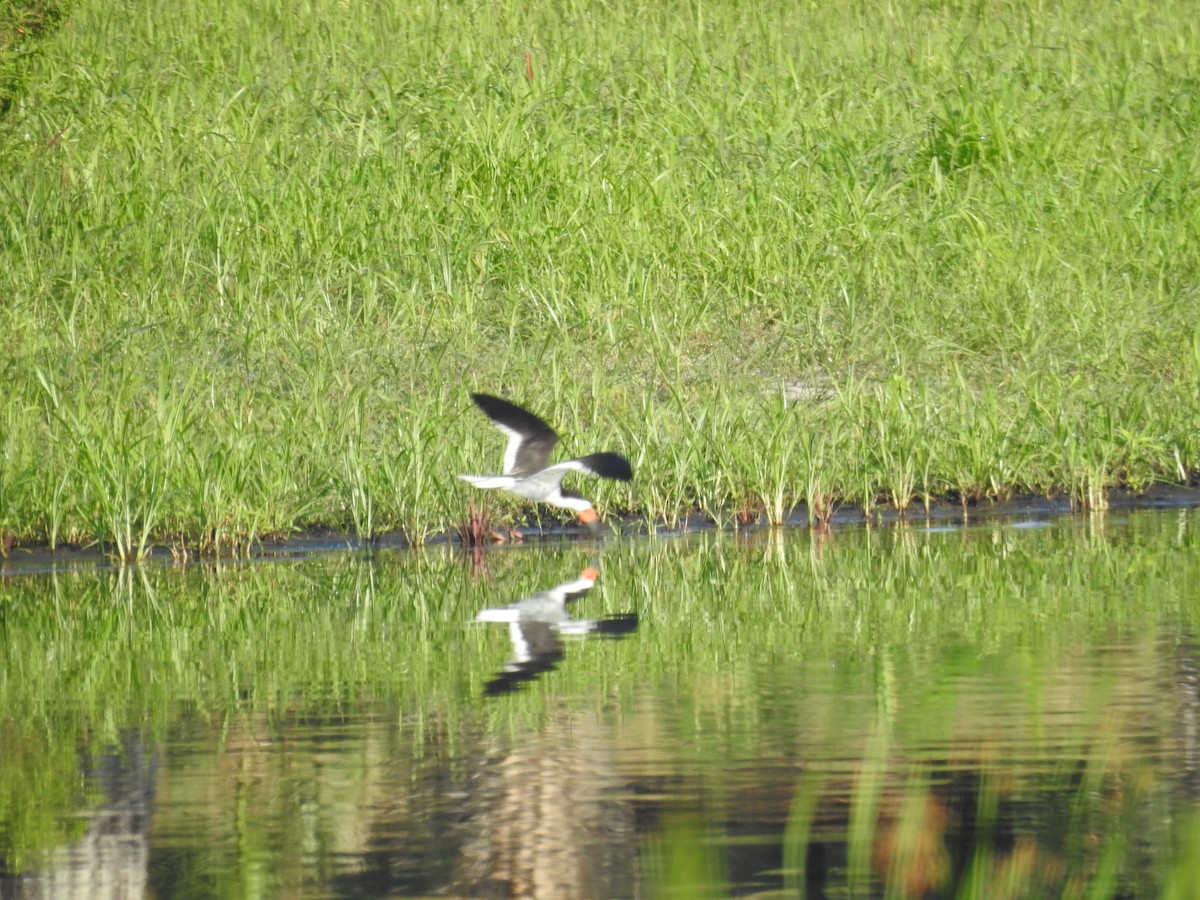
x=22 y=22
x=254 y=255
x=784 y=689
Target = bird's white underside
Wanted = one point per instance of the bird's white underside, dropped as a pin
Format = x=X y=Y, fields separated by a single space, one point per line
x=544 y=486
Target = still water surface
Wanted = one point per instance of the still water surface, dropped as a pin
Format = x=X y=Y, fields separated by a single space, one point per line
x=1007 y=709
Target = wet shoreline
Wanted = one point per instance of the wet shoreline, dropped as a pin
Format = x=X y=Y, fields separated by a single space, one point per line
x=35 y=558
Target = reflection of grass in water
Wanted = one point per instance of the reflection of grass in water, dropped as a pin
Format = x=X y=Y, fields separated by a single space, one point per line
x=1040 y=826
x=39 y=787
x=304 y=238
x=234 y=653
x=792 y=645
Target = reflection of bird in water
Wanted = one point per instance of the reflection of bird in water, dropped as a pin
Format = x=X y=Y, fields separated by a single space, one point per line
x=536 y=625
x=527 y=472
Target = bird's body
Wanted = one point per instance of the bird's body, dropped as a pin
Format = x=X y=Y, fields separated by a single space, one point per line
x=527 y=472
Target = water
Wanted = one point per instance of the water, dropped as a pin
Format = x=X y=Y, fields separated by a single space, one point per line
x=993 y=711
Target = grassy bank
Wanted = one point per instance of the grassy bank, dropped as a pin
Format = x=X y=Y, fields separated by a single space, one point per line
x=253 y=258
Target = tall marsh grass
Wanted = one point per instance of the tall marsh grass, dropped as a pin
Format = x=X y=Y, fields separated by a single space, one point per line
x=775 y=254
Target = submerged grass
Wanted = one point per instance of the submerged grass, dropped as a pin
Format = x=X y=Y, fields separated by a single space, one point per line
x=252 y=261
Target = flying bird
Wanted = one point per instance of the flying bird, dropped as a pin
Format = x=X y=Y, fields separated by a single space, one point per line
x=527 y=472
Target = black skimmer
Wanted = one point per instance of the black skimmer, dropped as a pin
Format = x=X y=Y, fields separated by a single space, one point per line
x=527 y=472
x=536 y=625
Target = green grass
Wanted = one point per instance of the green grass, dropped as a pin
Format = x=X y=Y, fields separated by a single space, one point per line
x=22 y=23
x=254 y=256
